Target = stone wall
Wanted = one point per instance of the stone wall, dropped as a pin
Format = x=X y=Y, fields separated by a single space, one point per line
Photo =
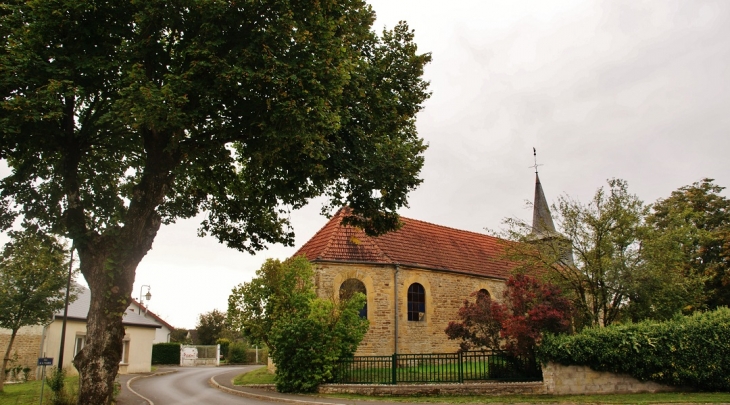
x=26 y=346
x=445 y=294
x=565 y=380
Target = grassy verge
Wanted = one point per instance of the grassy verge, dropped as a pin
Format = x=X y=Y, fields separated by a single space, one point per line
x=258 y=376
x=262 y=376
x=29 y=393
x=657 y=398
x=647 y=398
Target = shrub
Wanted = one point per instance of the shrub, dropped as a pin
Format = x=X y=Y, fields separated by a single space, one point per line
x=685 y=351
x=309 y=342
x=237 y=353
x=224 y=346
x=166 y=353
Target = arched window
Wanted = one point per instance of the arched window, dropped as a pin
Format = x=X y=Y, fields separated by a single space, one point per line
x=349 y=288
x=416 y=302
x=483 y=295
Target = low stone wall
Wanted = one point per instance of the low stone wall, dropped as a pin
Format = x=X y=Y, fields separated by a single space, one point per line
x=564 y=380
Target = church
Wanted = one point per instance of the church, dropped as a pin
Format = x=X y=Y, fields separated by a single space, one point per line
x=415 y=279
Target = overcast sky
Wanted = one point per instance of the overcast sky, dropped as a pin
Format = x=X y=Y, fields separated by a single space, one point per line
x=628 y=89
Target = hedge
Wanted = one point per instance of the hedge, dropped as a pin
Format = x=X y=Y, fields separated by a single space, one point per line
x=691 y=351
x=240 y=353
x=166 y=353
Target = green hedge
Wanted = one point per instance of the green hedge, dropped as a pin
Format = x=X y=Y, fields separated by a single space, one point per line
x=689 y=351
x=166 y=353
x=241 y=353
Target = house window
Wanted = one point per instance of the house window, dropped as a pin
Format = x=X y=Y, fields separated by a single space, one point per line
x=79 y=344
x=125 y=352
x=416 y=302
x=349 y=288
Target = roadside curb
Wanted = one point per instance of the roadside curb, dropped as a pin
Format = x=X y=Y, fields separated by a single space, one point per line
x=241 y=393
x=129 y=387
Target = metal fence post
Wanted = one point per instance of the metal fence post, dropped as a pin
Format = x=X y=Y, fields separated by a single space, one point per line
x=461 y=367
x=393 y=366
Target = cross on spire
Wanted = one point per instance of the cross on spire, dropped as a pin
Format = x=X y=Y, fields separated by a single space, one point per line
x=534 y=153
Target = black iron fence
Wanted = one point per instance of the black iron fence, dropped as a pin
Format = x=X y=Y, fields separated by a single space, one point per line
x=437 y=368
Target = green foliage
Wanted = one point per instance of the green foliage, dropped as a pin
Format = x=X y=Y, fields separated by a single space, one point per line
x=610 y=263
x=237 y=353
x=687 y=351
x=117 y=117
x=211 y=326
x=56 y=380
x=33 y=277
x=305 y=334
x=166 y=353
x=224 y=344
x=180 y=336
x=278 y=288
x=309 y=342
x=697 y=219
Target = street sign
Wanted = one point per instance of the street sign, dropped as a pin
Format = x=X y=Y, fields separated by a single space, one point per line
x=45 y=361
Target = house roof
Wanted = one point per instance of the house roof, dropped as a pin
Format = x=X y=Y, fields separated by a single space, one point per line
x=418 y=244
x=152 y=314
x=79 y=309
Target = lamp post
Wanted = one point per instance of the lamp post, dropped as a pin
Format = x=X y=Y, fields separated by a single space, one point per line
x=147 y=297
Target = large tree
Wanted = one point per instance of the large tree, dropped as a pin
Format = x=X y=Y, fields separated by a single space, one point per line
x=119 y=116
x=697 y=217
x=211 y=327
x=605 y=257
x=33 y=277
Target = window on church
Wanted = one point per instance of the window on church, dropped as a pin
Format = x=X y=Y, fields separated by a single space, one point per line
x=349 y=288
x=416 y=302
x=483 y=295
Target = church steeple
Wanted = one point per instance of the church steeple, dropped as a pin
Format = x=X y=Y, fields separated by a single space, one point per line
x=542 y=221
x=543 y=228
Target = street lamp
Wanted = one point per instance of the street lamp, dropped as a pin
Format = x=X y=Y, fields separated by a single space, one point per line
x=147 y=297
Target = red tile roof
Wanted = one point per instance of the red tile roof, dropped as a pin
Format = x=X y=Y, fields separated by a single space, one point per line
x=417 y=244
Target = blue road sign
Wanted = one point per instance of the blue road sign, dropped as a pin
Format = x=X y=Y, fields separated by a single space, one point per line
x=45 y=361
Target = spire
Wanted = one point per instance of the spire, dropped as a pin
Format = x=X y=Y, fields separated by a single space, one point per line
x=542 y=221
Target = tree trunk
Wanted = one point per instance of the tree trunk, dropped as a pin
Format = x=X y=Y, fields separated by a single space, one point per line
x=108 y=264
x=109 y=261
x=6 y=360
x=98 y=362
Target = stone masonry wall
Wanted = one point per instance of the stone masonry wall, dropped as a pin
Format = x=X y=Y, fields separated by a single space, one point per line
x=26 y=346
x=445 y=294
x=564 y=380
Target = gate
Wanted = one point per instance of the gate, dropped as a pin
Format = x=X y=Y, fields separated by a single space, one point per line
x=197 y=355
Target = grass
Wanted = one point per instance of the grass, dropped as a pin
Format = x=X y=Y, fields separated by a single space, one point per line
x=258 y=376
x=262 y=376
x=29 y=393
x=646 y=398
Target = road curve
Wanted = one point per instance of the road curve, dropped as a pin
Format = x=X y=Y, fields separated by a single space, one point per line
x=184 y=386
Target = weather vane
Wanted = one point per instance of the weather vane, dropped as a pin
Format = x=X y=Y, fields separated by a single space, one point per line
x=534 y=153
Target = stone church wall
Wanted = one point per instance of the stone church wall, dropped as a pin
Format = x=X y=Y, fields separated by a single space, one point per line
x=445 y=294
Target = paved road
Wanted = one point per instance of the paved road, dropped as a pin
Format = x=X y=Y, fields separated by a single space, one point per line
x=183 y=385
